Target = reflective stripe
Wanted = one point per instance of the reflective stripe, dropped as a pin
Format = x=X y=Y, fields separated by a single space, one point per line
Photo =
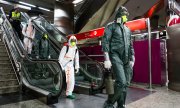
x=16 y=16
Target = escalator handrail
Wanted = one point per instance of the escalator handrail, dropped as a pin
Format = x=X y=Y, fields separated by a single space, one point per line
x=24 y=56
x=61 y=33
x=58 y=49
x=27 y=83
x=64 y=35
x=78 y=49
x=50 y=39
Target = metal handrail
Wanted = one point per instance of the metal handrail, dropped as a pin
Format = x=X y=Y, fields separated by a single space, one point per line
x=50 y=39
x=56 y=47
x=22 y=53
x=58 y=50
x=27 y=17
x=64 y=35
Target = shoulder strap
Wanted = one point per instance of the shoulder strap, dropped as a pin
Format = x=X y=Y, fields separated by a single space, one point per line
x=76 y=51
x=67 y=48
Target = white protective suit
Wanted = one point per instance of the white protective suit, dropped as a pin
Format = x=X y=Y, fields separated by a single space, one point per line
x=29 y=33
x=69 y=61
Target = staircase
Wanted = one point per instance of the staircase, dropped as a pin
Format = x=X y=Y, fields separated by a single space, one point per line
x=8 y=79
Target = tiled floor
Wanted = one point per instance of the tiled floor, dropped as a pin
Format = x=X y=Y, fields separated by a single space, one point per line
x=137 y=98
x=163 y=98
x=96 y=101
x=26 y=104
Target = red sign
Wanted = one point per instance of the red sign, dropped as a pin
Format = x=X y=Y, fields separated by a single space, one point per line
x=139 y=24
x=90 y=34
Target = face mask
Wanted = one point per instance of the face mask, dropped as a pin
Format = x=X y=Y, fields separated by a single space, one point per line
x=124 y=19
x=73 y=43
x=45 y=36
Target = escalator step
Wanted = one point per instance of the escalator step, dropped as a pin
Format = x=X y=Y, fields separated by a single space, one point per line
x=7 y=76
x=5 y=61
x=3 y=54
x=9 y=89
x=4 y=58
x=82 y=89
x=6 y=70
x=7 y=65
x=3 y=50
x=2 y=47
x=84 y=83
x=9 y=82
x=83 y=86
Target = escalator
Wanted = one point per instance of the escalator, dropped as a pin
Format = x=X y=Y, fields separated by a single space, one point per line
x=88 y=8
x=43 y=76
x=90 y=79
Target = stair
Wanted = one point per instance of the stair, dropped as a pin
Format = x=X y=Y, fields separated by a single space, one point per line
x=9 y=89
x=82 y=88
x=8 y=80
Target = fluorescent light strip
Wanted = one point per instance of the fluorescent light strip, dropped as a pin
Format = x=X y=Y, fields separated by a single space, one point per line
x=43 y=9
x=27 y=4
x=4 y=2
x=24 y=7
x=77 y=1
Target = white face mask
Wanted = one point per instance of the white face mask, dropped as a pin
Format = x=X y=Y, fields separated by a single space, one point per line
x=118 y=20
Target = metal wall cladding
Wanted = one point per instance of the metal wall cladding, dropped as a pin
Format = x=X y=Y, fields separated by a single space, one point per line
x=173 y=54
x=64 y=17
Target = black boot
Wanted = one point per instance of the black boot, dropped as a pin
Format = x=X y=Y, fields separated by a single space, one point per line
x=108 y=105
x=122 y=100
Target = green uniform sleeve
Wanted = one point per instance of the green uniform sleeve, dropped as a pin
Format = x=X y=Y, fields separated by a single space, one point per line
x=106 y=38
x=131 y=48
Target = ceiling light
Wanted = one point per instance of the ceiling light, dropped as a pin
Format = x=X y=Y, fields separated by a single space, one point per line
x=24 y=7
x=27 y=4
x=59 y=13
x=77 y=1
x=4 y=2
x=43 y=9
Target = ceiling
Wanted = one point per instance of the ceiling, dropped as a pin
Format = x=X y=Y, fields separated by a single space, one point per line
x=48 y=4
x=135 y=7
